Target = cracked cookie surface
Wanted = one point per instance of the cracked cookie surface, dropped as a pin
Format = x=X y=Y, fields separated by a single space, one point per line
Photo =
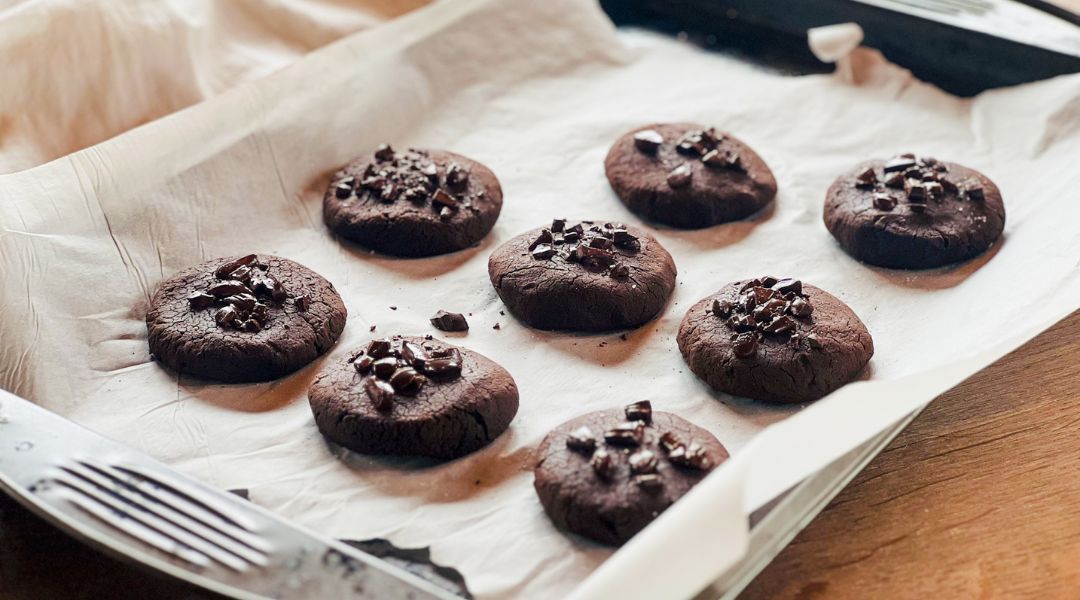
x=602 y=287
x=688 y=176
x=612 y=499
x=413 y=203
x=913 y=212
x=449 y=413
x=806 y=358
x=302 y=316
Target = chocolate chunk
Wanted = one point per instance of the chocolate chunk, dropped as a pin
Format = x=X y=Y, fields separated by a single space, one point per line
x=800 y=308
x=866 y=179
x=251 y=326
x=916 y=208
x=302 y=302
x=601 y=463
x=544 y=238
x=384 y=153
x=669 y=441
x=948 y=186
x=380 y=393
x=620 y=271
x=226 y=269
x=261 y=312
x=243 y=302
x=642 y=461
x=411 y=353
x=448 y=321
x=648 y=141
x=377 y=349
x=745 y=344
x=342 y=191
x=577 y=230
x=693 y=457
x=601 y=242
x=934 y=189
x=743 y=322
x=558 y=225
x=767 y=281
x=200 y=300
x=625 y=434
x=780 y=326
x=445 y=213
x=227 y=288
x=722 y=308
x=975 y=193
x=594 y=257
x=761 y=295
x=788 y=285
x=884 y=202
x=384 y=367
x=441 y=368
x=442 y=198
x=389 y=192
x=679 y=176
x=581 y=440
x=916 y=192
x=899 y=163
x=895 y=180
x=639 y=411
x=415 y=195
x=226 y=316
x=650 y=482
x=624 y=239
x=456 y=177
x=406 y=381
x=374 y=184
x=713 y=158
x=362 y=364
x=543 y=252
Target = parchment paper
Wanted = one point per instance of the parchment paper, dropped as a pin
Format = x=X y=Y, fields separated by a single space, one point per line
x=537 y=91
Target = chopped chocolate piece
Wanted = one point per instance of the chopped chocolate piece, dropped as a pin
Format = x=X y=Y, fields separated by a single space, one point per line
x=543 y=252
x=624 y=239
x=601 y=463
x=813 y=340
x=415 y=195
x=406 y=381
x=895 y=180
x=226 y=316
x=713 y=158
x=800 y=308
x=948 y=186
x=722 y=308
x=389 y=193
x=620 y=271
x=251 y=326
x=899 y=163
x=916 y=192
x=742 y=322
x=226 y=269
x=693 y=457
x=227 y=288
x=761 y=295
x=934 y=189
x=581 y=440
x=601 y=242
x=625 y=434
x=200 y=300
x=429 y=170
x=577 y=230
x=975 y=193
x=544 y=238
x=379 y=392
x=377 y=349
x=445 y=213
x=411 y=353
x=384 y=153
x=767 y=281
x=448 y=321
x=558 y=225
x=884 y=202
x=780 y=325
x=639 y=411
x=866 y=179
x=443 y=368
x=669 y=441
x=443 y=198
x=594 y=257
x=679 y=176
x=302 y=302
x=788 y=285
x=650 y=482
x=342 y=191
x=642 y=461
x=456 y=177
x=362 y=364
x=385 y=367
x=260 y=312
x=243 y=302
x=648 y=141
x=745 y=344
x=916 y=208
x=374 y=183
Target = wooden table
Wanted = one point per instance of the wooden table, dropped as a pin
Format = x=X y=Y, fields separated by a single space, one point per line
x=978 y=498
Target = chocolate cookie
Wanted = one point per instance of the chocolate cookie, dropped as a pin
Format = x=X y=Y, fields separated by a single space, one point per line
x=589 y=276
x=776 y=340
x=914 y=212
x=413 y=396
x=413 y=203
x=243 y=318
x=607 y=474
x=688 y=176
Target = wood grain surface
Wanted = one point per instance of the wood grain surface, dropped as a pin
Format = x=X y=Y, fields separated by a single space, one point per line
x=978 y=498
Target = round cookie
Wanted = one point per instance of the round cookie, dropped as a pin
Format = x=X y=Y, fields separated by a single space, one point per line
x=775 y=340
x=413 y=396
x=914 y=212
x=688 y=176
x=243 y=318
x=607 y=474
x=413 y=203
x=590 y=276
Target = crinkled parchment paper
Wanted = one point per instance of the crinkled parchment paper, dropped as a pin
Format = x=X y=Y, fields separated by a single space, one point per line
x=537 y=91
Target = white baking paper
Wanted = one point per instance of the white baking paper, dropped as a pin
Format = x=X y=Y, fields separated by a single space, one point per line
x=537 y=91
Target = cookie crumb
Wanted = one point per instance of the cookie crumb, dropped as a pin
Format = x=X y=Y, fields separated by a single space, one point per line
x=372 y=328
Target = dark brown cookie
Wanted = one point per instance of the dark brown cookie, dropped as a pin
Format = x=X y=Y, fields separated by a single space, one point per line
x=413 y=202
x=587 y=276
x=688 y=176
x=243 y=318
x=776 y=340
x=914 y=212
x=413 y=396
x=607 y=474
